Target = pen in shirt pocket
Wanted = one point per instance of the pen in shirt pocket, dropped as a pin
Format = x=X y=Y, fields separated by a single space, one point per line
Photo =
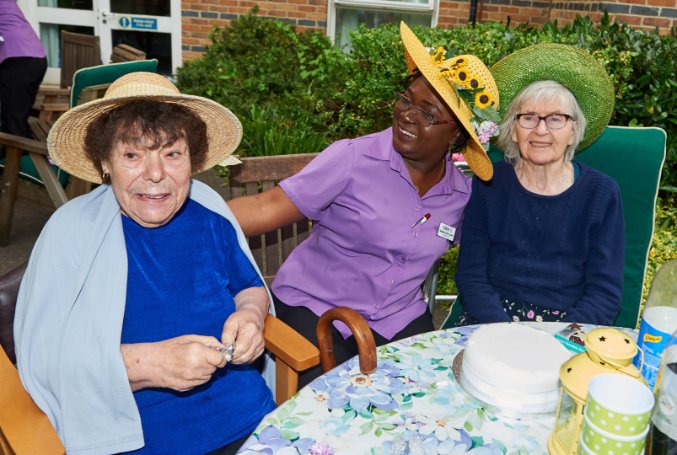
x=421 y=220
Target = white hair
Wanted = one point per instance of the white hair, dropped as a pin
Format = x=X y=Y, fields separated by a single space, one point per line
x=536 y=93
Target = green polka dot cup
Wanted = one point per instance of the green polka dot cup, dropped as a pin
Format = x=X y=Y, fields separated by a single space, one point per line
x=619 y=404
x=599 y=442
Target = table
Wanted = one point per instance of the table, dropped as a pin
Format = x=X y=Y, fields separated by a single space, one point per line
x=412 y=402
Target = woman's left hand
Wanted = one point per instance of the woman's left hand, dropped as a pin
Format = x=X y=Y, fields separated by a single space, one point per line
x=245 y=326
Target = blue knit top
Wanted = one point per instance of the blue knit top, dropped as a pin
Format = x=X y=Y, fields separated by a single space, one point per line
x=562 y=252
x=182 y=279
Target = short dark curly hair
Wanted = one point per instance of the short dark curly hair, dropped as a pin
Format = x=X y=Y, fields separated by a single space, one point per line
x=161 y=123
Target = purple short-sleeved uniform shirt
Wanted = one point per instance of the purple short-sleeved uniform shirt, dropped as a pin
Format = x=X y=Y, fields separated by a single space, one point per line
x=17 y=38
x=363 y=251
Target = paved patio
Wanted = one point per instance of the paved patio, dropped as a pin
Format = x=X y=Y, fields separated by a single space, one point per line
x=32 y=210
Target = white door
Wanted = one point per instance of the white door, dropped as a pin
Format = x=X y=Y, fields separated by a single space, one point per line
x=153 y=26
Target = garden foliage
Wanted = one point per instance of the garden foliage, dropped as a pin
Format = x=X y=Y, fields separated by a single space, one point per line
x=297 y=93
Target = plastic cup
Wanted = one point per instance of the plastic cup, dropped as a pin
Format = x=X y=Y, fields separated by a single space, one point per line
x=619 y=404
x=598 y=441
x=583 y=449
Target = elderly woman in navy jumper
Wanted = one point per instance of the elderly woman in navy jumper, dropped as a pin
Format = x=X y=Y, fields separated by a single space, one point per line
x=544 y=240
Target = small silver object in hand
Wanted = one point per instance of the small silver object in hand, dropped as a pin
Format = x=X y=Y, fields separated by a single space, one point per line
x=227 y=351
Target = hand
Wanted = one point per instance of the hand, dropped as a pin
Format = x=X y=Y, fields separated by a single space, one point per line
x=244 y=328
x=180 y=363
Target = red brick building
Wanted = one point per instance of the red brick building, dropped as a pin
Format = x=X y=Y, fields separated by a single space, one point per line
x=173 y=31
x=198 y=16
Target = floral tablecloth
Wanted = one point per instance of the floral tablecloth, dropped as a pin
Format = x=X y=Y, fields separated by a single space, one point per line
x=411 y=405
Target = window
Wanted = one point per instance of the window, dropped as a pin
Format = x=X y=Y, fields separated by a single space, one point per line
x=346 y=15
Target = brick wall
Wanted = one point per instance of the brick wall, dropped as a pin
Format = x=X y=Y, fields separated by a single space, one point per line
x=643 y=14
x=198 y=16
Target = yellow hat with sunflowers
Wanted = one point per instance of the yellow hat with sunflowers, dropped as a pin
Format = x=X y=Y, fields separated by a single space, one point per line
x=467 y=87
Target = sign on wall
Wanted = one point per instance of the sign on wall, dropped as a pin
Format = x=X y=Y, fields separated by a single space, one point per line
x=137 y=23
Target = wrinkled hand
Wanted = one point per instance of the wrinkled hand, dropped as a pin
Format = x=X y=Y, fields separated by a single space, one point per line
x=245 y=329
x=180 y=363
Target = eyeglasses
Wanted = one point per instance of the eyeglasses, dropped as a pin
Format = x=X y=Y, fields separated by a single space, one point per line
x=406 y=103
x=552 y=121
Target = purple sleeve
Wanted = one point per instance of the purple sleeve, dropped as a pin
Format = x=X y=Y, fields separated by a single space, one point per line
x=314 y=188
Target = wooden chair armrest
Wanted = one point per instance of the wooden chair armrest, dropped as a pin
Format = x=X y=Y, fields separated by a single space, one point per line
x=24 y=428
x=23 y=143
x=293 y=353
x=290 y=346
x=366 y=347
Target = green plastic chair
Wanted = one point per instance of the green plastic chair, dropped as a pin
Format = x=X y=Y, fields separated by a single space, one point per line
x=106 y=74
x=633 y=157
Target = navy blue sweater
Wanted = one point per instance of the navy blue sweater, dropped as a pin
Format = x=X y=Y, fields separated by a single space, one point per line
x=563 y=252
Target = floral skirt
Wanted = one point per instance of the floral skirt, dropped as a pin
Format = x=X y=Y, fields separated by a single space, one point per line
x=519 y=311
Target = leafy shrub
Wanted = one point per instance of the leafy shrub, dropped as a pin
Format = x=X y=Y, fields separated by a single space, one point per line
x=664 y=243
x=262 y=69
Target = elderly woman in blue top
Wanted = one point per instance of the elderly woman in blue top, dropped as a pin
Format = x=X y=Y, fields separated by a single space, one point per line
x=544 y=239
x=136 y=292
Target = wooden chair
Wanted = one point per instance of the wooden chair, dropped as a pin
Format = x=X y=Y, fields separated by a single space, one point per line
x=77 y=51
x=126 y=53
x=258 y=174
x=37 y=151
x=51 y=102
x=24 y=428
x=96 y=78
x=293 y=354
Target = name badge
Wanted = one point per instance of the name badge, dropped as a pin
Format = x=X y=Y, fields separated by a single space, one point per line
x=446 y=232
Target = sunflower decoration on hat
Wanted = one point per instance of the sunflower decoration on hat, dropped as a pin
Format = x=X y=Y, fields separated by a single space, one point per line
x=572 y=67
x=467 y=86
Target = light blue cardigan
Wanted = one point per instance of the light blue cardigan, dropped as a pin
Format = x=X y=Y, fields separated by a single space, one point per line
x=69 y=319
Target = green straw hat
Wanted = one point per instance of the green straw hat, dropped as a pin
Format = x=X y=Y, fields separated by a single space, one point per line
x=572 y=67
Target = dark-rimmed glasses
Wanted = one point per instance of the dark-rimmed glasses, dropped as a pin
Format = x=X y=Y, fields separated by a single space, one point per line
x=406 y=103
x=552 y=121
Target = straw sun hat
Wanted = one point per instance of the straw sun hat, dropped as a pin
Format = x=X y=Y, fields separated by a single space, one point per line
x=467 y=87
x=66 y=140
x=572 y=67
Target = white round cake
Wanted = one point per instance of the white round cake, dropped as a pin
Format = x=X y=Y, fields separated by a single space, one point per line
x=513 y=367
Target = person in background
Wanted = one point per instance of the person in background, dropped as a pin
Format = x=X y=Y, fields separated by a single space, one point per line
x=544 y=240
x=142 y=309
x=22 y=66
x=385 y=206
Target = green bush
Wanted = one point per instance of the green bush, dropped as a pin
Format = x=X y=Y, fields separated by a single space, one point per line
x=265 y=72
x=664 y=242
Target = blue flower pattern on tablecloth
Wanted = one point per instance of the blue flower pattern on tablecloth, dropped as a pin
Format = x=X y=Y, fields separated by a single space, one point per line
x=411 y=405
